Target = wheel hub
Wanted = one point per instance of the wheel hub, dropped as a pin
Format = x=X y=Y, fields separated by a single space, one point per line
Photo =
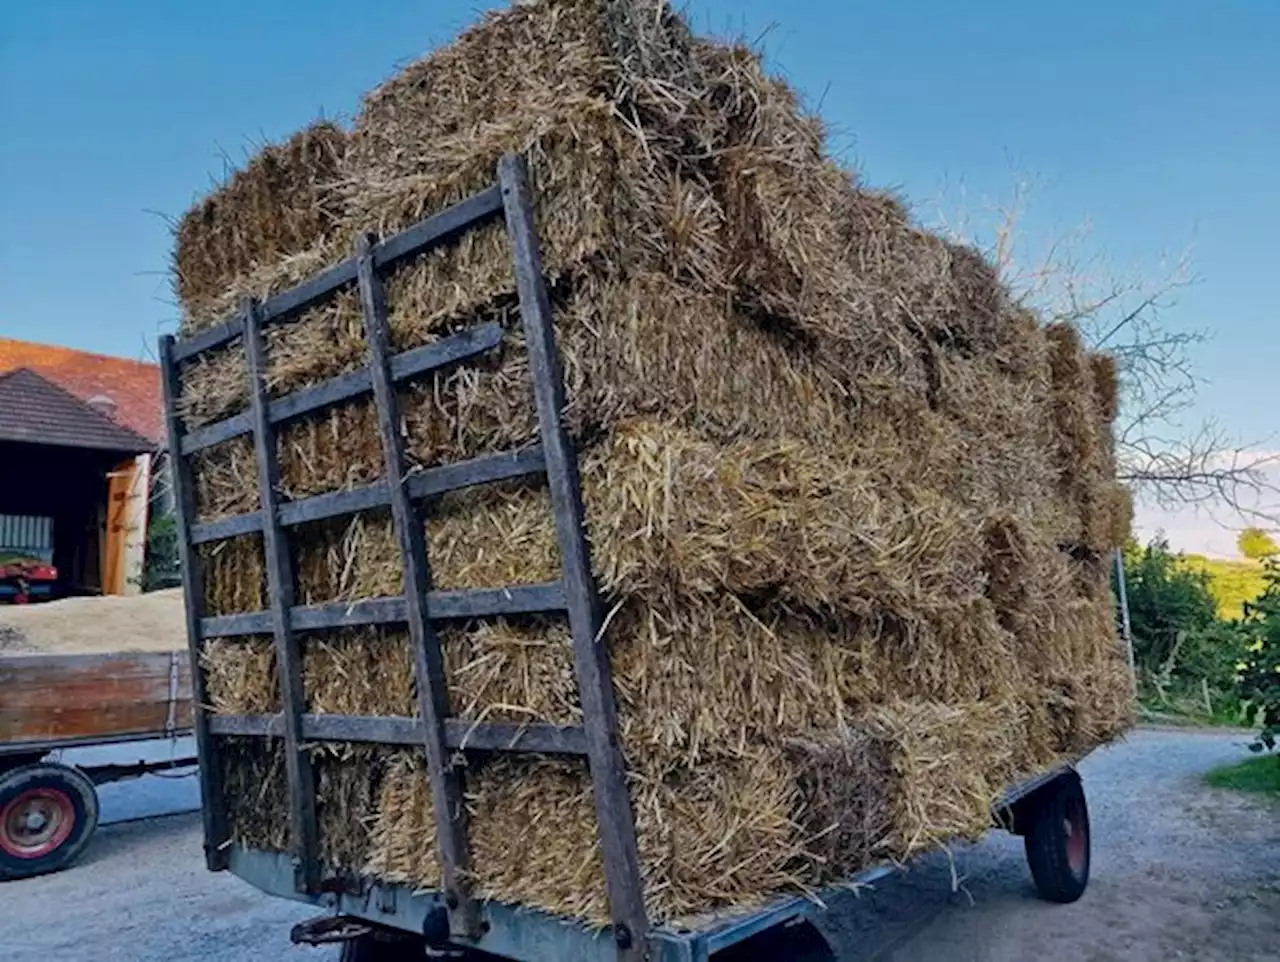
x=36 y=822
x=1077 y=842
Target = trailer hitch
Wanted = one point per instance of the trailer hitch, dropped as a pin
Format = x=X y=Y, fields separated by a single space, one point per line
x=329 y=930
x=336 y=929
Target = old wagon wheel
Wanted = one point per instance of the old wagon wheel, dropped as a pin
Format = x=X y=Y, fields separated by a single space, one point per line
x=48 y=812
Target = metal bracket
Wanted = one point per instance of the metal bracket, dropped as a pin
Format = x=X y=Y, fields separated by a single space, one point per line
x=329 y=930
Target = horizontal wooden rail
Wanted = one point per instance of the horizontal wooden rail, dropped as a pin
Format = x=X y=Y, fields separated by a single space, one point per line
x=438 y=229
x=424 y=484
x=441 y=606
x=450 y=350
x=397 y=730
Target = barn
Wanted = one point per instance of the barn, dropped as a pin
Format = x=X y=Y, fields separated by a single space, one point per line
x=78 y=435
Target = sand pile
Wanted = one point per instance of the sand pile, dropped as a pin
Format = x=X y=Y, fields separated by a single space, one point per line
x=148 y=622
x=847 y=501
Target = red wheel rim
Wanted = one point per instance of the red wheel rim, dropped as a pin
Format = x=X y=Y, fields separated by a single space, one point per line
x=36 y=822
x=1077 y=836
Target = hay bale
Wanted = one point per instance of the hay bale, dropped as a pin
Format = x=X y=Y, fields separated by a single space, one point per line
x=845 y=497
x=271 y=210
x=1106 y=385
x=942 y=794
x=710 y=836
x=1083 y=410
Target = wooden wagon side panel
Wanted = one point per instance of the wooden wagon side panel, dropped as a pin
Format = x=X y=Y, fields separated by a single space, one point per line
x=69 y=698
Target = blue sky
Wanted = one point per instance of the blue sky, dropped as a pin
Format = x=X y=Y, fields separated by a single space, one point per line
x=1155 y=121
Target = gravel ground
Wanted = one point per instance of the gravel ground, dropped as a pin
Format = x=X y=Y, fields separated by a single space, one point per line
x=1180 y=871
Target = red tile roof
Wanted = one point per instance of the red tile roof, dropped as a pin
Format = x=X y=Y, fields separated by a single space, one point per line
x=34 y=410
x=134 y=386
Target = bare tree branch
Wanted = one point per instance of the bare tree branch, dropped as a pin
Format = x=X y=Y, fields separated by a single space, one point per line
x=1069 y=280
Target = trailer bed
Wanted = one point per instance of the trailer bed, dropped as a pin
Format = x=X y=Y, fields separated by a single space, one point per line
x=533 y=936
x=60 y=701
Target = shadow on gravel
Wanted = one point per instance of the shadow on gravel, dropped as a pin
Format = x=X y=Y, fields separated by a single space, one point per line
x=118 y=839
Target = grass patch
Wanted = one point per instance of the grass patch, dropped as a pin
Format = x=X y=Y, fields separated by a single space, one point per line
x=1232 y=582
x=1261 y=774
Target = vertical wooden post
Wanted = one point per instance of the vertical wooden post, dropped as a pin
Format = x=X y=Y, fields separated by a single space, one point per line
x=280 y=586
x=595 y=680
x=445 y=781
x=213 y=807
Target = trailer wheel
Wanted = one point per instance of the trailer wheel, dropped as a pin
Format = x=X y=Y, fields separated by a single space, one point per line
x=47 y=814
x=1057 y=842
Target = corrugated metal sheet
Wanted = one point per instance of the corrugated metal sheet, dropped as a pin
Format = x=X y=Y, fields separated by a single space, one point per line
x=27 y=534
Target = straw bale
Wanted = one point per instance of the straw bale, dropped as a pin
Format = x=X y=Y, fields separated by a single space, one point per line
x=690 y=676
x=944 y=794
x=563 y=51
x=1121 y=514
x=240 y=675
x=224 y=479
x=256 y=790
x=986 y=423
x=710 y=836
x=640 y=347
x=722 y=832
x=214 y=385
x=359 y=671
x=1085 y=444
x=846 y=784
x=665 y=509
x=274 y=208
x=346 y=558
x=234 y=575
x=1091 y=698
x=348 y=783
x=1106 y=385
x=798 y=831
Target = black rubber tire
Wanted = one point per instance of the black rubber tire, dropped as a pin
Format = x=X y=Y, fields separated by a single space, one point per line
x=76 y=801
x=1058 y=842
x=792 y=943
x=10 y=762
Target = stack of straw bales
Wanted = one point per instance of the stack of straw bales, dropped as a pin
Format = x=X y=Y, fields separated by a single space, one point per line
x=848 y=502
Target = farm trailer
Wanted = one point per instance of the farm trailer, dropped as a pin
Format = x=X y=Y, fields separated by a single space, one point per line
x=380 y=922
x=48 y=703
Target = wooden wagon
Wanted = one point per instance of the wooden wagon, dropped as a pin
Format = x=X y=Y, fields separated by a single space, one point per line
x=48 y=809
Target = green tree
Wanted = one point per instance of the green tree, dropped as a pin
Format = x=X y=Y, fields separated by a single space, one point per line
x=161 y=567
x=1167 y=602
x=1260 y=666
x=1256 y=545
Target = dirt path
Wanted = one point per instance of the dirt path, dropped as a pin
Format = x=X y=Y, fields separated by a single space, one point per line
x=1180 y=872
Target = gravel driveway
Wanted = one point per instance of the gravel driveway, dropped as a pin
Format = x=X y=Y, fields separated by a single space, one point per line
x=1180 y=871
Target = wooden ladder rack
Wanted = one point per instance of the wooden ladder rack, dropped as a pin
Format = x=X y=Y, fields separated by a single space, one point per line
x=420 y=607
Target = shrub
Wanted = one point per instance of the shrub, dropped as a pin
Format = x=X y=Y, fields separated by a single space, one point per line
x=161 y=569
x=1167 y=602
x=1259 y=667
